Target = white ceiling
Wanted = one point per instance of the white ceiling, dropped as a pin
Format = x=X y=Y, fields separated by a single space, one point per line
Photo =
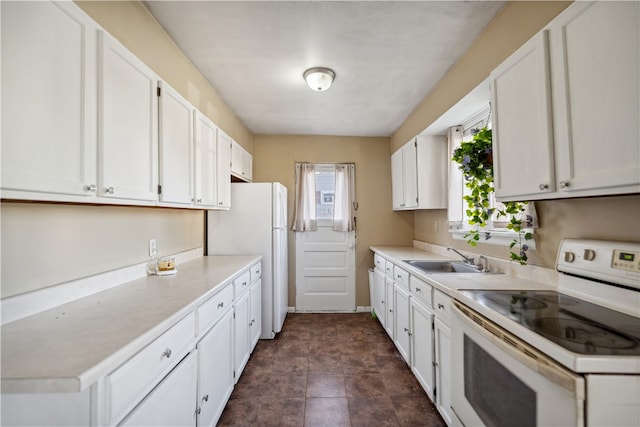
x=387 y=56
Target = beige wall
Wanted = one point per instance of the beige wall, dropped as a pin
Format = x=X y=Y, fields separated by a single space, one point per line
x=275 y=158
x=138 y=31
x=516 y=23
x=48 y=244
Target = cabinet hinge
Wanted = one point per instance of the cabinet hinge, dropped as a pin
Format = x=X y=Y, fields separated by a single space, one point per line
x=159 y=189
x=433 y=326
x=159 y=90
x=416 y=200
x=234 y=374
x=435 y=392
x=415 y=143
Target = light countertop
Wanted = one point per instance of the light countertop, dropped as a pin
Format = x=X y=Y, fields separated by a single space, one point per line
x=69 y=347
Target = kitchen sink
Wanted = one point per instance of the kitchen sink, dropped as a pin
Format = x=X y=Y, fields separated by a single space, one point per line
x=443 y=266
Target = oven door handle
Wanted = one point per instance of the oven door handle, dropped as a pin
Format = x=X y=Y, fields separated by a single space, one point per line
x=520 y=350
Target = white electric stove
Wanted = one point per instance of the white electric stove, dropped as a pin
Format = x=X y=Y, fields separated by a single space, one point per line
x=570 y=357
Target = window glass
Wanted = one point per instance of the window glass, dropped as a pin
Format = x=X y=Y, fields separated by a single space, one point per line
x=325 y=191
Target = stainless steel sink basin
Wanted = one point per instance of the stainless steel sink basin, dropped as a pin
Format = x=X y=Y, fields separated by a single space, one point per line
x=443 y=266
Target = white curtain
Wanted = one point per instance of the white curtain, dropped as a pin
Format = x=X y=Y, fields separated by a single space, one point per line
x=344 y=207
x=304 y=212
x=456 y=181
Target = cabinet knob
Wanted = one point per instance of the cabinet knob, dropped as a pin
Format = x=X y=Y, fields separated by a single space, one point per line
x=205 y=398
x=220 y=203
x=543 y=187
x=244 y=283
x=90 y=188
x=406 y=330
x=418 y=290
x=108 y=190
x=382 y=301
x=390 y=310
x=166 y=353
x=199 y=201
x=563 y=184
x=198 y=410
x=435 y=364
x=440 y=306
x=220 y=304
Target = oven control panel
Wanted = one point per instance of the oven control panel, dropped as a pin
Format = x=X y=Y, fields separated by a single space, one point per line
x=614 y=262
x=626 y=260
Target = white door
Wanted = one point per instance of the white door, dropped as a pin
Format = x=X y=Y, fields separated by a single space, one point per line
x=325 y=259
x=325 y=270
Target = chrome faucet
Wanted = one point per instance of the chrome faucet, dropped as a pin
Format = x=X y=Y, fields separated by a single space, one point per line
x=464 y=257
x=483 y=264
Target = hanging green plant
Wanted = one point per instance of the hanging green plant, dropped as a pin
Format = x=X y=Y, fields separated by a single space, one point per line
x=475 y=160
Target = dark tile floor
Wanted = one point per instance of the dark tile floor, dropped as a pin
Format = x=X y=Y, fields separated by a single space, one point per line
x=329 y=370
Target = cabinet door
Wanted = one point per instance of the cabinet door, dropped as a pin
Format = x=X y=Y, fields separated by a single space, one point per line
x=401 y=320
x=410 y=173
x=171 y=402
x=442 y=340
x=241 y=322
x=128 y=123
x=422 y=345
x=224 y=170
x=256 y=313
x=595 y=60
x=390 y=315
x=176 y=144
x=236 y=158
x=522 y=126
x=247 y=166
x=379 y=295
x=397 y=178
x=205 y=164
x=432 y=172
x=215 y=371
x=48 y=98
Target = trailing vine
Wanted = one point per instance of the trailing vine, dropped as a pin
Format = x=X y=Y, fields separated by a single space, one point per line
x=475 y=160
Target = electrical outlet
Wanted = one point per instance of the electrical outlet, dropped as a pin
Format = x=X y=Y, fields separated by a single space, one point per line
x=153 y=248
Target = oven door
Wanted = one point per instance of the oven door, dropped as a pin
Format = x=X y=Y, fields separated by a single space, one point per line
x=498 y=380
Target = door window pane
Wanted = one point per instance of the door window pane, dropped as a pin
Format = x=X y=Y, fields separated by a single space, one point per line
x=325 y=190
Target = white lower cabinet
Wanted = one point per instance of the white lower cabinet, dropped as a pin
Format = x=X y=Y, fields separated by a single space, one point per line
x=389 y=320
x=241 y=313
x=171 y=402
x=422 y=329
x=402 y=335
x=255 y=324
x=379 y=295
x=442 y=355
x=215 y=371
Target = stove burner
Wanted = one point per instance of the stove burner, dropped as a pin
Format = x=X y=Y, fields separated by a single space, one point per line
x=520 y=301
x=591 y=336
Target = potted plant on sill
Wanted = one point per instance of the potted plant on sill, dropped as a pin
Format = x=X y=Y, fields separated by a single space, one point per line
x=475 y=160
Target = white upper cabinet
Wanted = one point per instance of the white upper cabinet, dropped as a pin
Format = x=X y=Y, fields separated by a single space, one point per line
x=224 y=170
x=176 y=147
x=241 y=162
x=48 y=99
x=128 y=123
x=419 y=174
x=567 y=116
x=595 y=81
x=206 y=157
x=404 y=177
x=522 y=126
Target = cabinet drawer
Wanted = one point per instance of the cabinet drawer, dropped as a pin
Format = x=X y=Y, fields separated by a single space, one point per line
x=256 y=272
x=379 y=262
x=421 y=290
x=389 y=269
x=128 y=384
x=211 y=310
x=401 y=277
x=442 y=305
x=241 y=284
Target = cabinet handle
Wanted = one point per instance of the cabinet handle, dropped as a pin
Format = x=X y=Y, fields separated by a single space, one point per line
x=244 y=283
x=220 y=304
x=220 y=203
x=199 y=201
x=440 y=306
x=543 y=187
x=205 y=398
x=198 y=410
x=406 y=330
x=564 y=184
x=167 y=353
x=390 y=311
x=91 y=188
x=435 y=364
x=418 y=290
x=410 y=334
x=382 y=301
x=108 y=190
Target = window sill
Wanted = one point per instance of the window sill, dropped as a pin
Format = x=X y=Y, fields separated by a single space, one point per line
x=499 y=237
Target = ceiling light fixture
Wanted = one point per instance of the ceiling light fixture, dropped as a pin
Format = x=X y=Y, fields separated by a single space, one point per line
x=319 y=78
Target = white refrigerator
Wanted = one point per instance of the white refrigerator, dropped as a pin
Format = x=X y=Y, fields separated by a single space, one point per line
x=257 y=224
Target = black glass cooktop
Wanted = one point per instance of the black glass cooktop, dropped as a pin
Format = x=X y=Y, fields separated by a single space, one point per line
x=579 y=326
